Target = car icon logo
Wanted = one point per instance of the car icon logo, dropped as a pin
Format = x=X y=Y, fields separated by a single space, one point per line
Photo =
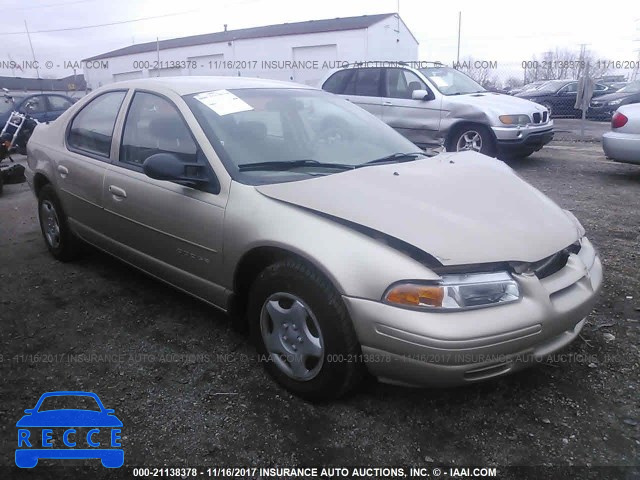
x=50 y=430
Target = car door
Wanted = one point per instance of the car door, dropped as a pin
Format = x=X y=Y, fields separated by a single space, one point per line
x=36 y=107
x=418 y=120
x=565 y=99
x=169 y=229
x=600 y=89
x=80 y=168
x=364 y=88
x=57 y=104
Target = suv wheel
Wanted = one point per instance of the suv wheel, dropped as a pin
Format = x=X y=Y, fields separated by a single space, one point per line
x=476 y=138
x=303 y=332
x=60 y=241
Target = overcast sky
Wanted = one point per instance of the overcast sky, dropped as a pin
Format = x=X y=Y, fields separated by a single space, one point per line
x=506 y=31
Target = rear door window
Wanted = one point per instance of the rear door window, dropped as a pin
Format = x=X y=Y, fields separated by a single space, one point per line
x=365 y=82
x=91 y=130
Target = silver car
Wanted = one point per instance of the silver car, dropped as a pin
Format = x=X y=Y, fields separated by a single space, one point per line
x=322 y=228
x=443 y=106
x=622 y=143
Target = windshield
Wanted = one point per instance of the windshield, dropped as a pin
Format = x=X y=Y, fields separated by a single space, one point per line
x=302 y=133
x=633 y=87
x=552 y=86
x=532 y=86
x=449 y=81
x=66 y=402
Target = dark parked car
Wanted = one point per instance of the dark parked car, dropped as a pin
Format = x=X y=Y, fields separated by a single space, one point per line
x=44 y=107
x=559 y=96
x=529 y=87
x=605 y=105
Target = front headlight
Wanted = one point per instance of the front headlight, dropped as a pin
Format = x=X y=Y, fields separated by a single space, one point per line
x=615 y=102
x=455 y=292
x=515 y=119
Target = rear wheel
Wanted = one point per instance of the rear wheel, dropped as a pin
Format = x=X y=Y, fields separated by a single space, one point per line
x=60 y=241
x=303 y=332
x=475 y=138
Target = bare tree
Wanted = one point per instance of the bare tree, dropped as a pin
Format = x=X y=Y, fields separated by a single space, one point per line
x=563 y=64
x=479 y=71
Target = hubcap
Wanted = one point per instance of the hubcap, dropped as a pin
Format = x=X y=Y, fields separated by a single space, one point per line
x=292 y=336
x=470 y=140
x=50 y=223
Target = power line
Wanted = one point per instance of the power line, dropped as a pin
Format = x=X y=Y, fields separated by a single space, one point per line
x=38 y=7
x=85 y=27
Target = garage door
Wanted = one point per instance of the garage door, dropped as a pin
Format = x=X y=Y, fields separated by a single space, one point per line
x=315 y=53
x=118 y=77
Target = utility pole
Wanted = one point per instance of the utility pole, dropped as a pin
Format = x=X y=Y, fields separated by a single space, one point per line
x=634 y=74
x=33 y=54
x=459 y=27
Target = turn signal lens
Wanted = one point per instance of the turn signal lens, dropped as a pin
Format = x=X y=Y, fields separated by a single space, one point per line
x=414 y=295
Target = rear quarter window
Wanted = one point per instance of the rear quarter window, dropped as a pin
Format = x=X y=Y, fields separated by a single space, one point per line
x=336 y=82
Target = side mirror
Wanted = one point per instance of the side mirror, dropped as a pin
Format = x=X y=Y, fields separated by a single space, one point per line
x=109 y=411
x=422 y=95
x=29 y=411
x=167 y=166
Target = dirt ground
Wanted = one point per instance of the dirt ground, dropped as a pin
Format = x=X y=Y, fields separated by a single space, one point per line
x=190 y=392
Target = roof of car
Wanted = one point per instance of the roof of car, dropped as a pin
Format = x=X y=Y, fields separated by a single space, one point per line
x=188 y=85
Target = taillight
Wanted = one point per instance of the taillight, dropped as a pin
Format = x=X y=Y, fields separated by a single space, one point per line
x=618 y=120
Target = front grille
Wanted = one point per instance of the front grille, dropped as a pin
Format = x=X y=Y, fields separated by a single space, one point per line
x=536 y=117
x=556 y=262
x=545 y=115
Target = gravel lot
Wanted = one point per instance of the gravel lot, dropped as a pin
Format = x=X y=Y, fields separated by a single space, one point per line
x=189 y=391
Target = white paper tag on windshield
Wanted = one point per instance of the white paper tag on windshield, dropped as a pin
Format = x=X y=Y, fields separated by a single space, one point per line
x=223 y=102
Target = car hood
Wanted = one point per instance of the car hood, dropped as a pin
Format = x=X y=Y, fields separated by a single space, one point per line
x=500 y=103
x=461 y=208
x=69 y=418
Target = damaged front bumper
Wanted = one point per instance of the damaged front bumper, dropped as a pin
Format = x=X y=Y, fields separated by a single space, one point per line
x=425 y=348
x=522 y=140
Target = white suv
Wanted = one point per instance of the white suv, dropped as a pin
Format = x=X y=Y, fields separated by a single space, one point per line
x=443 y=106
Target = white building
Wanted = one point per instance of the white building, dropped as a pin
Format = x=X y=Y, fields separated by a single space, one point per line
x=303 y=52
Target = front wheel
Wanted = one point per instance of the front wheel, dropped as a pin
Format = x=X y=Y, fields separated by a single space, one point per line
x=303 y=332
x=476 y=138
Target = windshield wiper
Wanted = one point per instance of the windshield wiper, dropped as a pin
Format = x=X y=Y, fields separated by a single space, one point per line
x=393 y=158
x=284 y=165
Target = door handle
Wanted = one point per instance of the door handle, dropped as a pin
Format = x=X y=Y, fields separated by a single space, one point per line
x=387 y=104
x=117 y=192
x=63 y=171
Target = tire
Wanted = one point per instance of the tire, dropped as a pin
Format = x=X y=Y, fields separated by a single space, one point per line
x=328 y=363
x=58 y=237
x=472 y=137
